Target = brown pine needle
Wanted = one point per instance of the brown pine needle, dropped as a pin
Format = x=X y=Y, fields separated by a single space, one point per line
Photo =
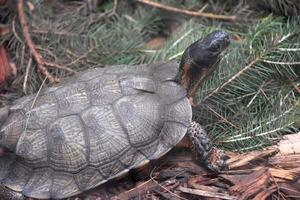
x=296 y=88
x=187 y=12
x=54 y=65
x=26 y=75
x=36 y=56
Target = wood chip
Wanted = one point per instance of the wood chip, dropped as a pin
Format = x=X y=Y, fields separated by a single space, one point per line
x=289 y=161
x=290 y=190
x=283 y=174
x=199 y=182
x=290 y=144
x=140 y=189
x=245 y=158
x=204 y=193
x=251 y=184
x=265 y=193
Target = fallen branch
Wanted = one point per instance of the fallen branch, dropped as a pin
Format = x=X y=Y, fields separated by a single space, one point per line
x=186 y=12
x=36 y=56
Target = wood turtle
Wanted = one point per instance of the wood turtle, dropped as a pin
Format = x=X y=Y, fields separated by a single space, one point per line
x=103 y=123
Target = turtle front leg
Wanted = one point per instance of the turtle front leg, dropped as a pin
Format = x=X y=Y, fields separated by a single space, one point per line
x=213 y=158
x=8 y=194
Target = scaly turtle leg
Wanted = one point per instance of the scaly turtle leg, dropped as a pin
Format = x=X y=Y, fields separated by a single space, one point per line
x=8 y=194
x=213 y=158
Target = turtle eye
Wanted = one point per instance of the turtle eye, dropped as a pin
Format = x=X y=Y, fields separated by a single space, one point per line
x=215 y=47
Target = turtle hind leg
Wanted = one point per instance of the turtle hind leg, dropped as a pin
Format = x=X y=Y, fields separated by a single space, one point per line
x=213 y=158
x=8 y=194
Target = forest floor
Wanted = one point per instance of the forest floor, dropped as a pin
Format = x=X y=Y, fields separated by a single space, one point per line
x=273 y=173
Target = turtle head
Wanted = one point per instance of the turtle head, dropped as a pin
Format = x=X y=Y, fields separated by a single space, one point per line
x=200 y=59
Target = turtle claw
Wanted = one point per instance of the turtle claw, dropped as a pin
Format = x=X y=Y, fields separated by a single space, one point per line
x=213 y=158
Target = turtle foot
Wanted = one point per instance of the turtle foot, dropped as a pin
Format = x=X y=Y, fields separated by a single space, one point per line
x=213 y=158
x=8 y=194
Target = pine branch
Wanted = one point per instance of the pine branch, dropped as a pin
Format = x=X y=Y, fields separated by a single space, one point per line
x=248 y=103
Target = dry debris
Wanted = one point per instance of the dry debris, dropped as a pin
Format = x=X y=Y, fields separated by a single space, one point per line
x=255 y=175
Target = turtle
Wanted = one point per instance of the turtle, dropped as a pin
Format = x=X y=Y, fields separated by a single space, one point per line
x=103 y=122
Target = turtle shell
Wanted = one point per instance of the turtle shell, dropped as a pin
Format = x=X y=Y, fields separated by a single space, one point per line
x=99 y=125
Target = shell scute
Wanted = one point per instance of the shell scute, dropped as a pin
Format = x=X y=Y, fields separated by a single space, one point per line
x=72 y=99
x=17 y=177
x=68 y=150
x=88 y=178
x=107 y=140
x=63 y=185
x=12 y=129
x=136 y=84
x=39 y=184
x=139 y=113
x=104 y=90
x=32 y=148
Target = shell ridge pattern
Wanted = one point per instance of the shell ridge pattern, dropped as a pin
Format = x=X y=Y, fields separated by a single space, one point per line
x=12 y=129
x=63 y=185
x=176 y=122
x=131 y=84
x=139 y=113
x=122 y=125
x=68 y=148
x=104 y=90
x=39 y=184
x=7 y=173
x=107 y=138
x=16 y=179
x=32 y=148
x=86 y=139
x=124 y=129
x=48 y=146
x=72 y=99
x=128 y=125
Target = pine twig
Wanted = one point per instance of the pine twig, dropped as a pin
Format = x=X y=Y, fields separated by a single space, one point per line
x=49 y=64
x=232 y=78
x=26 y=75
x=13 y=24
x=107 y=14
x=187 y=12
x=33 y=52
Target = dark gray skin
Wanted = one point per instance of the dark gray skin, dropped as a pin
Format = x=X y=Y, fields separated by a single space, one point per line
x=198 y=62
x=200 y=59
